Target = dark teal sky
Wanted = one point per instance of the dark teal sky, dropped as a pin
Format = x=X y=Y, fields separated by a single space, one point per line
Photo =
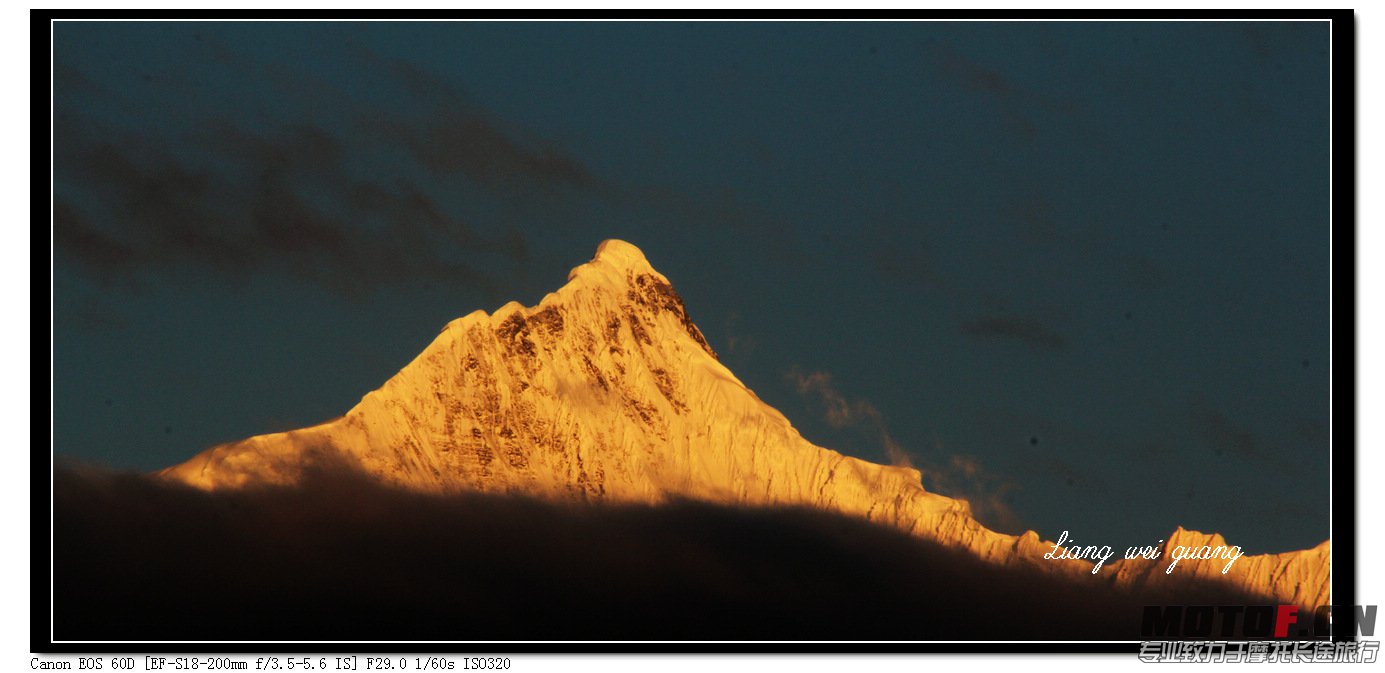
x=1079 y=272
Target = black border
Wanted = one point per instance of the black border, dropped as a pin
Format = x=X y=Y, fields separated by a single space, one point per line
x=1344 y=343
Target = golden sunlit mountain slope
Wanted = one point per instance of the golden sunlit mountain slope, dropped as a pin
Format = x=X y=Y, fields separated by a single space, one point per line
x=607 y=391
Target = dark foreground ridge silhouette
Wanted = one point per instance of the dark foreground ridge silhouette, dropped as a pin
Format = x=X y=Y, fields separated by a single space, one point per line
x=341 y=557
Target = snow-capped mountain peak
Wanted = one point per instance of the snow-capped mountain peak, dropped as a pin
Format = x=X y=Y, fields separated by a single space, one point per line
x=607 y=391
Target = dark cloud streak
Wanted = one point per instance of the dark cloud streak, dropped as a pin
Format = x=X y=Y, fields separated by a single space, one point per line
x=163 y=213
x=1024 y=330
x=458 y=136
x=91 y=247
x=291 y=198
x=476 y=148
x=1225 y=435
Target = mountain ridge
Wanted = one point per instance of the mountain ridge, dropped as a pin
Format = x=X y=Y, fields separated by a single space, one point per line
x=607 y=390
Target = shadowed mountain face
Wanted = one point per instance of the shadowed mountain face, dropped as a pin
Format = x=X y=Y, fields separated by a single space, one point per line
x=342 y=557
x=607 y=394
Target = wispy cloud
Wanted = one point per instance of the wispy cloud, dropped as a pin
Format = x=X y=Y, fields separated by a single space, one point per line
x=737 y=341
x=838 y=411
x=954 y=475
x=986 y=491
